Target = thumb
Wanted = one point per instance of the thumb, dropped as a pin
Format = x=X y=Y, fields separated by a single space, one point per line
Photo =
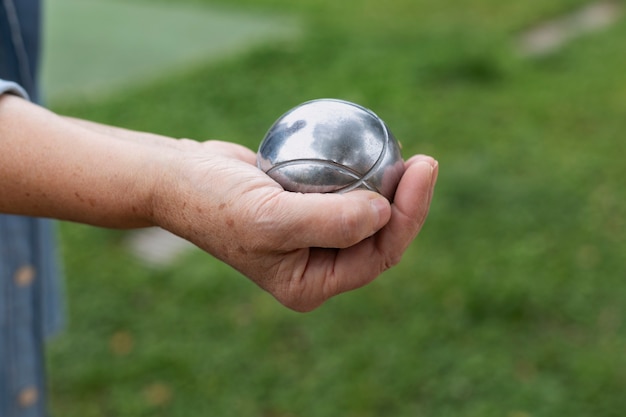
x=331 y=220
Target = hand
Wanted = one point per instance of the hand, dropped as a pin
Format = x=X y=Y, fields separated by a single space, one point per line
x=302 y=248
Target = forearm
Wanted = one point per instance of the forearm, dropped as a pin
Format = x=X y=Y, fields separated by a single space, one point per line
x=130 y=135
x=52 y=167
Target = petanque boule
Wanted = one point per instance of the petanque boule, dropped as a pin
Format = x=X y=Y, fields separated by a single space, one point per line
x=331 y=146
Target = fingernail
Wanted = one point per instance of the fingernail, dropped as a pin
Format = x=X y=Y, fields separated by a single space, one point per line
x=431 y=169
x=434 y=174
x=381 y=207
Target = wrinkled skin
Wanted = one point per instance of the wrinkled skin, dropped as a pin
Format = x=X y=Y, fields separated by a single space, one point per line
x=302 y=248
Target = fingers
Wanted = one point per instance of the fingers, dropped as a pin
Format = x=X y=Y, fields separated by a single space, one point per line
x=358 y=265
x=318 y=274
x=410 y=208
x=329 y=220
x=343 y=220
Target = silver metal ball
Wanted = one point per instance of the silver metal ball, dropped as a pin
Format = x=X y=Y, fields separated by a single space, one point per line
x=330 y=145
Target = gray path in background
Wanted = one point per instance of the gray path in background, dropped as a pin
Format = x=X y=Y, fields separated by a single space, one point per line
x=95 y=46
x=550 y=36
x=156 y=247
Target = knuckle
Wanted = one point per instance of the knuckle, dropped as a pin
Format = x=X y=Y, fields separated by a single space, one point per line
x=296 y=301
x=392 y=260
x=289 y=286
x=331 y=288
x=302 y=308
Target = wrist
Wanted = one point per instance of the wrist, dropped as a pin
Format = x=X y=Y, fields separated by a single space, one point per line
x=165 y=200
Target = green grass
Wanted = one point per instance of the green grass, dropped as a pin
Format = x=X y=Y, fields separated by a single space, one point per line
x=510 y=303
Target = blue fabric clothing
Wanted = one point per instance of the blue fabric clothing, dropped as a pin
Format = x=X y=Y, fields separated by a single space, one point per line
x=20 y=39
x=29 y=275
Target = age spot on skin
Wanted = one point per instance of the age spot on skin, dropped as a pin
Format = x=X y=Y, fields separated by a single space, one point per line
x=222 y=206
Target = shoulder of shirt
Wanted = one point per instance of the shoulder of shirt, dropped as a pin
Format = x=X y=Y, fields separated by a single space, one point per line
x=9 y=87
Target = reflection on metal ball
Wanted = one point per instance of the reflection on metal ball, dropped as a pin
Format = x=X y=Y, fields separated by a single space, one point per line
x=330 y=145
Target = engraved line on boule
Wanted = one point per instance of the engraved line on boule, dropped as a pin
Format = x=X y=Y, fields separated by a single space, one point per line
x=331 y=164
x=364 y=179
x=346 y=170
x=361 y=180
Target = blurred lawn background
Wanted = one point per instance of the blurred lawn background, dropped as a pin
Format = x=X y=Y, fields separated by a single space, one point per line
x=510 y=303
